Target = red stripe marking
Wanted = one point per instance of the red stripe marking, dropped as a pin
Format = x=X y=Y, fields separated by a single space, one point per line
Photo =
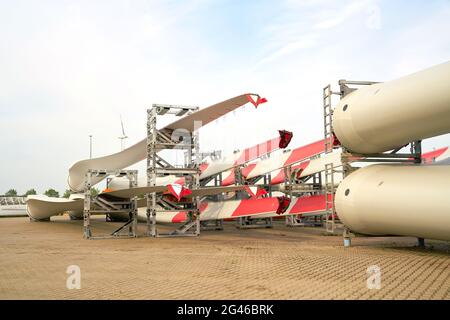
x=203 y=166
x=310 y=204
x=302 y=166
x=280 y=177
x=180 y=181
x=182 y=215
x=429 y=157
x=250 y=98
x=255 y=206
x=262 y=100
x=305 y=152
x=179 y=217
x=258 y=151
x=246 y=171
x=229 y=180
x=258 y=101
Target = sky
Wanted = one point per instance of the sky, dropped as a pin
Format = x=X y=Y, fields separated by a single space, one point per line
x=69 y=69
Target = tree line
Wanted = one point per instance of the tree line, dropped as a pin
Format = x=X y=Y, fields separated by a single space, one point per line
x=49 y=193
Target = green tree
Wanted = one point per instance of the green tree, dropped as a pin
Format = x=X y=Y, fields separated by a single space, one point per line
x=52 y=193
x=30 y=192
x=67 y=193
x=94 y=192
x=11 y=193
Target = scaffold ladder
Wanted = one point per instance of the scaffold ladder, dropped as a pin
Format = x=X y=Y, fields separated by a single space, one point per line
x=329 y=198
x=328 y=118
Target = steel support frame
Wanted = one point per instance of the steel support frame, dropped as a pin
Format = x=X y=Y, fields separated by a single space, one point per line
x=216 y=225
x=156 y=165
x=253 y=223
x=330 y=218
x=302 y=221
x=298 y=188
x=414 y=156
x=16 y=200
x=217 y=178
x=249 y=222
x=329 y=186
x=109 y=207
x=290 y=220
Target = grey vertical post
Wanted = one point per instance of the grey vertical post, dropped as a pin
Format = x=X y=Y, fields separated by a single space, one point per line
x=90 y=146
x=289 y=220
x=87 y=206
x=416 y=149
x=133 y=209
x=327 y=118
x=347 y=238
x=421 y=242
x=197 y=160
x=151 y=171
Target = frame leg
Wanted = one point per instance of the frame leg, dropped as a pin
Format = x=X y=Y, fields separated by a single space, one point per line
x=421 y=242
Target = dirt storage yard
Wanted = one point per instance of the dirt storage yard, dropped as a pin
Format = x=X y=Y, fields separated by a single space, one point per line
x=277 y=263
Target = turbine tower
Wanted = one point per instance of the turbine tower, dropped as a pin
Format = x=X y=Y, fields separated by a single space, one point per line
x=123 y=137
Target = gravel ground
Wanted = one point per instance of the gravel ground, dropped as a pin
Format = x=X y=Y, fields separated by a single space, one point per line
x=277 y=263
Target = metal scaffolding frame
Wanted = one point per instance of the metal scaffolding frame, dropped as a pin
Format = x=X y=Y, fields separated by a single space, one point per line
x=329 y=186
x=348 y=157
x=158 y=140
x=254 y=223
x=330 y=221
x=296 y=188
x=104 y=204
x=215 y=225
x=290 y=220
x=12 y=200
x=251 y=222
x=209 y=225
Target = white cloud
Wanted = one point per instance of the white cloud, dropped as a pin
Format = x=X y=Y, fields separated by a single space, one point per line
x=305 y=42
x=335 y=17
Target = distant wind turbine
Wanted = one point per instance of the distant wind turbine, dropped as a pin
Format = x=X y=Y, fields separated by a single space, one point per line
x=123 y=137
